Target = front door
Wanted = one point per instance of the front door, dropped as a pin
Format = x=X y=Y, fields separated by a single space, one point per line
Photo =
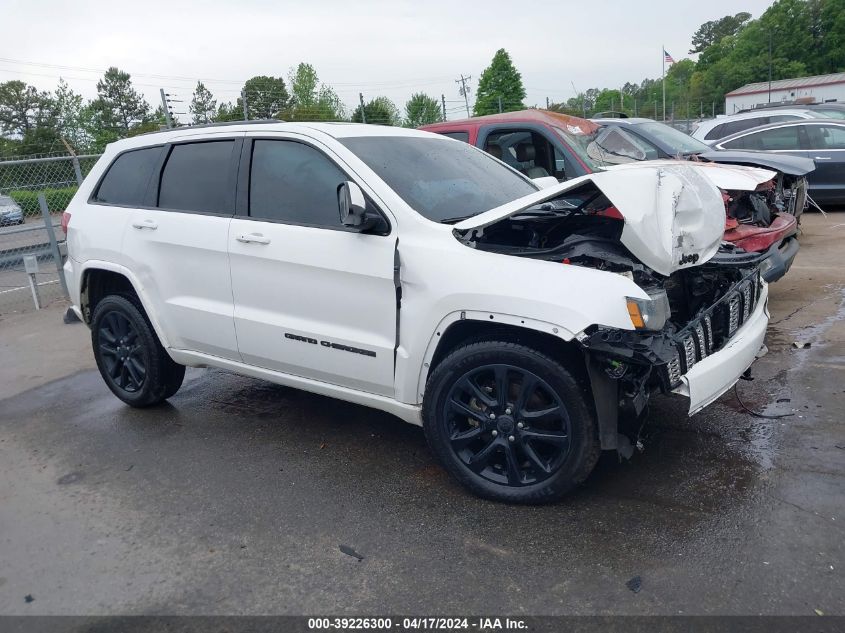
x=826 y=145
x=312 y=298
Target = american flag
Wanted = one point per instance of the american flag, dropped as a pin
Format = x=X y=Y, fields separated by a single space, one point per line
x=667 y=57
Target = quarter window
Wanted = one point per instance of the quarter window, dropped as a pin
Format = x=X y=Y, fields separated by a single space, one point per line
x=197 y=178
x=127 y=178
x=293 y=182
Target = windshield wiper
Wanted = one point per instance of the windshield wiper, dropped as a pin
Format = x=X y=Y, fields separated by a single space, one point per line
x=460 y=218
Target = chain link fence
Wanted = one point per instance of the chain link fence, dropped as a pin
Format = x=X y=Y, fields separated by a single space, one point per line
x=33 y=195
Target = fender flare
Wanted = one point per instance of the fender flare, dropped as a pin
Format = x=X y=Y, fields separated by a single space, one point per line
x=95 y=264
x=525 y=323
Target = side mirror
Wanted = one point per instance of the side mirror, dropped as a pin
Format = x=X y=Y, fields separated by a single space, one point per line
x=352 y=205
x=544 y=182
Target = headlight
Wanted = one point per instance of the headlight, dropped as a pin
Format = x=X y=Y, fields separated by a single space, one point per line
x=651 y=313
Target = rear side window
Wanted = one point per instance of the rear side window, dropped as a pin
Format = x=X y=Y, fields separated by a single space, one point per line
x=127 y=178
x=197 y=177
x=293 y=182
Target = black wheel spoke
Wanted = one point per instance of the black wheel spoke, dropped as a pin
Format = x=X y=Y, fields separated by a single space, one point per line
x=465 y=409
x=108 y=349
x=502 y=385
x=482 y=458
x=534 y=459
x=132 y=369
x=549 y=437
x=541 y=415
x=459 y=440
x=108 y=334
x=513 y=468
x=469 y=385
x=529 y=384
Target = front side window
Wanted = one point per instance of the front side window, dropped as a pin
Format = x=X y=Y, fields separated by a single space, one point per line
x=441 y=180
x=782 y=138
x=295 y=183
x=196 y=177
x=127 y=178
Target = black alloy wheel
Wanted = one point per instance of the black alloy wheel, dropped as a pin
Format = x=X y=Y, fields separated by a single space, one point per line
x=121 y=349
x=510 y=423
x=507 y=425
x=133 y=363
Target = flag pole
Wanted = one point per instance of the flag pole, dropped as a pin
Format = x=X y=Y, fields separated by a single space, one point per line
x=663 y=81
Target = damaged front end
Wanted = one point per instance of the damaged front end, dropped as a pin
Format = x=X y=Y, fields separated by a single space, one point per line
x=699 y=321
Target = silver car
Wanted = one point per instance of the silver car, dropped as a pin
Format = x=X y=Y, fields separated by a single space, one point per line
x=10 y=212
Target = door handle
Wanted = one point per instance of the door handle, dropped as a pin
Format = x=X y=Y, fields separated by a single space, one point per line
x=145 y=224
x=253 y=238
x=821 y=157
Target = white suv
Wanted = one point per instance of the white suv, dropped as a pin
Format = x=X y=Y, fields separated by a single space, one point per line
x=523 y=328
x=713 y=130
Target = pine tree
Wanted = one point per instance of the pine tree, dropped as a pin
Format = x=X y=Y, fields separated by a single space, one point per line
x=118 y=104
x=203 y=105
x=499 y=83
x=421 y=109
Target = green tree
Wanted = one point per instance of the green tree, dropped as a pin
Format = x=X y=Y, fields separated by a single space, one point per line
x=203 y=105
x=499 y=83
x=380 y=111
x=421 y=109
x=23 y=108
x=69 y=120
x=266 y=97
x=229 y=112
x=118 y=104
x=310 y=100
x=711 y=32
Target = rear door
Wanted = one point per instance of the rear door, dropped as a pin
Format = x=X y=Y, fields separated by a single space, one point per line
x=176 y=244
x=312 y=298
x=826 y=146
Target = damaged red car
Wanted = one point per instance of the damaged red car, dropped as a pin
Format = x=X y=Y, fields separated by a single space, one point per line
x=765 y=194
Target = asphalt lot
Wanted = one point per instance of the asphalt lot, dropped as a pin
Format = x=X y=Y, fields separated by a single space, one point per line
x=236 y=496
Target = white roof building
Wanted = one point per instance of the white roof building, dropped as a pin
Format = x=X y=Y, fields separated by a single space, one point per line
x=817 y=89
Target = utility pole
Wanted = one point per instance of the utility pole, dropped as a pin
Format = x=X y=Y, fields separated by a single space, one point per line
x=547 y=103
x=500 y=104
x=166 y=107
x=363 y=113
x=770 y=66
x=443 y=102
x=463 y=90
x=246 y=107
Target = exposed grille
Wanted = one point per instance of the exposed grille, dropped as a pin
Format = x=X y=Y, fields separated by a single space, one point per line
x=709 y=332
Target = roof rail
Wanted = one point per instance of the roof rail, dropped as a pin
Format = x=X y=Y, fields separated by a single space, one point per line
x=202 y=126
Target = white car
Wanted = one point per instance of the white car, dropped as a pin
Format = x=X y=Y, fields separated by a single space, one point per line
x=524 y=328
x=713 y=130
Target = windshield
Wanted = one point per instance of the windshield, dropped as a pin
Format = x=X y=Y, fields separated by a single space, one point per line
x=829 y=114
x=675 y=140
x=441 y=179
x=578 y=141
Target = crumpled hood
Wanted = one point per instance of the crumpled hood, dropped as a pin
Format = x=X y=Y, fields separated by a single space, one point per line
x=727 y=177
x=674 y=215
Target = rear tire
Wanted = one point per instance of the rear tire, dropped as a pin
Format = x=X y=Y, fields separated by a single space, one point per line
x=130 y=357
x=509 y=423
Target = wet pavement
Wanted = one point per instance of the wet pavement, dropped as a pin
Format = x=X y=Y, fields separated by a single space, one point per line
x=244 y=497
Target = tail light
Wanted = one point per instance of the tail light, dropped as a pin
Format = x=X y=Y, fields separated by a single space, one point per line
x=65 y=221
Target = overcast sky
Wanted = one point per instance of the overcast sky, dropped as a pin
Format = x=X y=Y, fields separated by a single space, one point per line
x=378 y=48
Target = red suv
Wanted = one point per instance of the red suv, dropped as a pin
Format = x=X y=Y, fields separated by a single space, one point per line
x=761 y=215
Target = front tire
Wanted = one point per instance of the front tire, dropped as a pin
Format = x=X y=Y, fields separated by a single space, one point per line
x=130 y=357
x=510 y=423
